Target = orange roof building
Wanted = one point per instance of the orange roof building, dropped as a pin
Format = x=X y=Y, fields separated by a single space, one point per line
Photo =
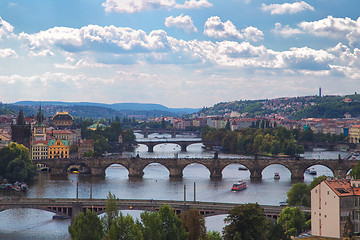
x=332 y=202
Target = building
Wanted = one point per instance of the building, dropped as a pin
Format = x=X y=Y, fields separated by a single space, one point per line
x=73 y=136
x=58 y=149
x=39 y=149
x=85 y=145
x=39 y=129
x=332 y=201
x=21 y=132
x=354 y=134
x=62 y=120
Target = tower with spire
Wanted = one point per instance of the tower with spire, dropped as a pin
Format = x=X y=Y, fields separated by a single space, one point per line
x=39 y=131
x=20 y=131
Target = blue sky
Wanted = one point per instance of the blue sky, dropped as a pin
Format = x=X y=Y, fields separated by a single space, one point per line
x=179 y=53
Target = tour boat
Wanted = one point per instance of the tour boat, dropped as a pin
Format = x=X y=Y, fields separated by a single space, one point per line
x=241 y=185
x=241 y=168
x=276 y=176
x=311 y=171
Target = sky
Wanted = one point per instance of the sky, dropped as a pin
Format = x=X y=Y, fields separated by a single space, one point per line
x=179 y=53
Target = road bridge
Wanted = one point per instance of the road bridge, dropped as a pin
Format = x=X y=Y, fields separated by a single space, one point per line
x=175 y=166
x=72 y=207
x=183 y=143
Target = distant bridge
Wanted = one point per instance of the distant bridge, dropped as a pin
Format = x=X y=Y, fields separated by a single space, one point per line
x=173 y=132
x=72 y=207
x=183 y=143
x=175 y=166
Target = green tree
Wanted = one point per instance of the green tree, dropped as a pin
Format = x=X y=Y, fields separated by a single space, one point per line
x=292 y=219
x=86 y=227
x=277 y=232
x=171 y=225
x=355 y=171
x=317 y=181
x=151 y=225
x=245 y=222
x=213 y=235
x=194 y=224
x=15 y=163
x=111 y=212
x=125 y=228
x=299 y=194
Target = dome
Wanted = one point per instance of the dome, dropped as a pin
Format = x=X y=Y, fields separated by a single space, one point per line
x=62 y=116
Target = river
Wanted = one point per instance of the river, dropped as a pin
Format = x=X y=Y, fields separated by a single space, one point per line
x=36 y=224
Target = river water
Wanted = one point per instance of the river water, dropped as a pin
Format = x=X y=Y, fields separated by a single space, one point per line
x=155 y=184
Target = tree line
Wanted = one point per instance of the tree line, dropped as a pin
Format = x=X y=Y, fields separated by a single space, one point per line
x=245 y=221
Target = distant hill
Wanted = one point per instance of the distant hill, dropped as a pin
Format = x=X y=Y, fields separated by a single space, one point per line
x=123 y=109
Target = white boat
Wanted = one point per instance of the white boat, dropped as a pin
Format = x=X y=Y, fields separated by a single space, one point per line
x=311 y=171
x=276 y=176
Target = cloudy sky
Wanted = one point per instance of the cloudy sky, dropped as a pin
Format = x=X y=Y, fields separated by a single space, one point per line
x=179 y=53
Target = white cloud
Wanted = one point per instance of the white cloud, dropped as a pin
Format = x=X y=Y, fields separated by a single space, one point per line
x=252 y=34
x=132 y=6
x=335 y=28
x=286 y=31
x=286 y=8
x=6 y=29
x=194 y=4
x=95 y=38
x=7 y=52
x=183 y=22
x=215 y=28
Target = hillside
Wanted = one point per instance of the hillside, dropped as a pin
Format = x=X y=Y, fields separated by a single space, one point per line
x=293 y=108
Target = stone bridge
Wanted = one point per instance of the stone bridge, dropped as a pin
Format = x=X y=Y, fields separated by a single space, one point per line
x=183 y=143
x=175 y=166
x=172 y=132
x=72 y=207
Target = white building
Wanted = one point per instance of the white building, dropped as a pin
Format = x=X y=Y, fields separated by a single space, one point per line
x=332 y=201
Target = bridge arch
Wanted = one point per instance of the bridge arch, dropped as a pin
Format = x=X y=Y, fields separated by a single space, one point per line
x=62 y=211
x=235 y=169
x=269 y=171
x=158 y=167
x=190 y=167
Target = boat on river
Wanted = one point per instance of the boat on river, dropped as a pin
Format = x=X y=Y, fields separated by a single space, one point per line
x=311 y=171
x=242 y=168
x=276 y=176
x=241 y=185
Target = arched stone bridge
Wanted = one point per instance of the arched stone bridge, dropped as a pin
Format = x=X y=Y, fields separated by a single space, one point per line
x=182 y=143
x=135 y=166
x=172 y=132
x=71 y=207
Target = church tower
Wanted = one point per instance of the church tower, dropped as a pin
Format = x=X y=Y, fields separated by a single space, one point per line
x=39 y=131
x=21 y=132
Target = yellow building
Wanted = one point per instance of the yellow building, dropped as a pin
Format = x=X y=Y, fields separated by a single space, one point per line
x=58 y=149
x=354 y=134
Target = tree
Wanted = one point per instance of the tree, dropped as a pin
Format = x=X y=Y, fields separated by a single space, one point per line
x=194 y=224
x=111 y=212
x=151 y=225
x=292 y=219
x=299 y=194
x=245 y=222
x=277 y=232
x=125 y=228
x=15 y=163
x=213 y=235
x=355 y=171
x=317 y=181
x=171 y=225
x=86 y=227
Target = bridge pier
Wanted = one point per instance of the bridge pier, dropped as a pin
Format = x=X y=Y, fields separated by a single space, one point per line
x=297 y=174
x=135 y=172
x=340 y=173
x=216 y=173
x=255 y=174
x=175 y=172
x=173 y=134
x=183 y=147
x=97 y=171
x=150 y=148
x=76 y=209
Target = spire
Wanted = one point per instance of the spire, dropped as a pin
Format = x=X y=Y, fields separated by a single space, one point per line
x=21 y=118
x=40 y=117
